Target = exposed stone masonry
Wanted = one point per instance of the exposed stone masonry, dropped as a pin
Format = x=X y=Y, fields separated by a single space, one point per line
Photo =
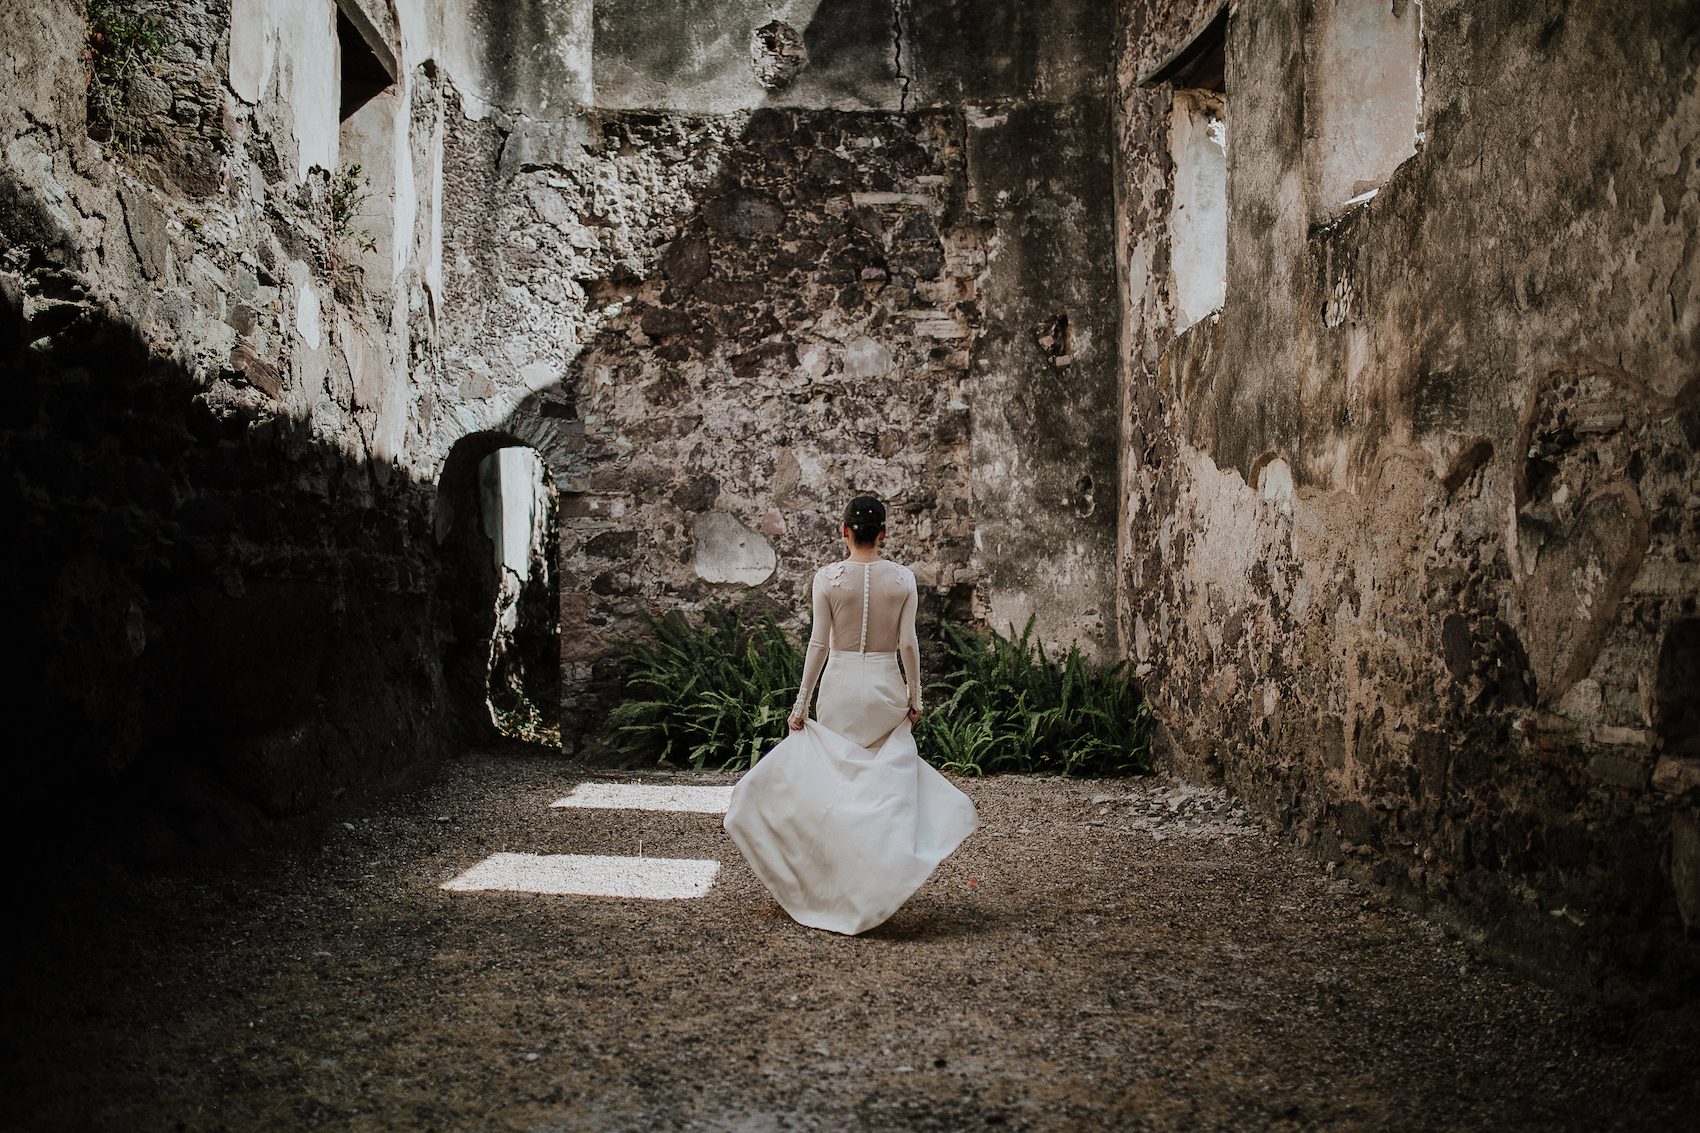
x=234 y=600
x=774 y=313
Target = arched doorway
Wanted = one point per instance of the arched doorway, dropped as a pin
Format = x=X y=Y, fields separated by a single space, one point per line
x=495 y=528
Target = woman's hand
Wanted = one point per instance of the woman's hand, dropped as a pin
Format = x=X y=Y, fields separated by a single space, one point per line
x=796 y=722
x=914 y=717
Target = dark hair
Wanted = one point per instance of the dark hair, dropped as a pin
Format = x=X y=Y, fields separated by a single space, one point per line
x=865 y=517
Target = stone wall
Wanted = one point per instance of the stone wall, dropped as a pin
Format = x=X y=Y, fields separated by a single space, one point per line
x=740 y=315
x=218 y=512
x=715 y=321
x=755 y=317
x=1409 y=527
x=1404 y=539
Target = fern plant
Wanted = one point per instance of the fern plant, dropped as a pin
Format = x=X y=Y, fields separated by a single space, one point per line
x=711 y=697
x=1007 y=706
x=718 y=697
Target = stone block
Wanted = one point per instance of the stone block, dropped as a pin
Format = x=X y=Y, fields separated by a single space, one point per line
x=256 y=371
x=147 y=94
x=552 y=207
x=1582 y=702
x=148 y=232
x=686 y=261
x=866 y=358
x=696 y=494
x=769 y=357
x=539 y=375
x=1676 y=774
x=727 y=551
x=1666 y=578
x=744 y=213
x=664 y=322
x=1603 y=547
x=1614 y=771
x=1685 y=868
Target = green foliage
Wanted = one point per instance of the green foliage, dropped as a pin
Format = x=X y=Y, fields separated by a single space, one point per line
x=348 y=190
x=119 y=45
x=518 y=718
x=1006 y=706
x=716 y=696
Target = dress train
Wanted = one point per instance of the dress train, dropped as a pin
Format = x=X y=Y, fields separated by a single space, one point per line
x=843 y=820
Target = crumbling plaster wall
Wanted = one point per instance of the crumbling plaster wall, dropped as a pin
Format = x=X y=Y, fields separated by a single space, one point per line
x=218 y=490
x=750 y=303
x=713 y=319
x=1408 y=535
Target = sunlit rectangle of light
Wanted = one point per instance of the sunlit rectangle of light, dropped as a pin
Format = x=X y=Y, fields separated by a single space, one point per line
x=649 y=796
x=590 y=875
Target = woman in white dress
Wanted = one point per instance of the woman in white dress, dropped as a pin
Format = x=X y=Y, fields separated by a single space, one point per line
x=842 y=820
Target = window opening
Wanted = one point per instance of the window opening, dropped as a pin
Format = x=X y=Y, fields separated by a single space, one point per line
x=1200 y=62
x=1363 y=97
x=1198 y=148
x=1198 y=212
x=364 y=76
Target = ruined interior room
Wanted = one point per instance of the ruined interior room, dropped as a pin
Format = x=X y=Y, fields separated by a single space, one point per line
x=375 y=372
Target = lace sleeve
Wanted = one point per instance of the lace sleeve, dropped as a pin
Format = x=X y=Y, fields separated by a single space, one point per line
x=820 y=643
x=908 y=645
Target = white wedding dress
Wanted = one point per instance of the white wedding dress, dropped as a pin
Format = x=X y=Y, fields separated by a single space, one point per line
x=842 y=821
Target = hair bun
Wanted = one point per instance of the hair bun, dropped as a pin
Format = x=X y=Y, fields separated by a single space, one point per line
x=865 y=517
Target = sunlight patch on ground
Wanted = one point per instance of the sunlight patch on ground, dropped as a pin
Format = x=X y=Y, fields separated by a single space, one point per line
x=587 y=875
x=647 y=796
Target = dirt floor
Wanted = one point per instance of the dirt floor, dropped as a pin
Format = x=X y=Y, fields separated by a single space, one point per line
x=1101 y=954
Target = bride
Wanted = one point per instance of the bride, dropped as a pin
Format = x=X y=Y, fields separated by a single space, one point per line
x=842 y=821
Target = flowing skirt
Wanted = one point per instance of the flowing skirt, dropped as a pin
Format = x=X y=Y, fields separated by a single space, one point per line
x=842 y=821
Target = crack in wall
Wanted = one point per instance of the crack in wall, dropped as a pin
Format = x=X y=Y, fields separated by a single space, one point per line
x=897 y=9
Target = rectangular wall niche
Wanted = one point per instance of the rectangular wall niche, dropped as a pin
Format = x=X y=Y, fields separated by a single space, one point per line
x=1198 y=218
x=370 y=135
x=1363 y=97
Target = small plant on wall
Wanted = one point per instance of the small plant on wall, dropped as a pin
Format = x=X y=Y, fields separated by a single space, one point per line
x=519 y=719
x=119 y=48
x=348 y=190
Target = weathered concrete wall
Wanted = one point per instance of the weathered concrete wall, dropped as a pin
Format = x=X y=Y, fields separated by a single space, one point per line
x=1045 y=395
x=1408 y=538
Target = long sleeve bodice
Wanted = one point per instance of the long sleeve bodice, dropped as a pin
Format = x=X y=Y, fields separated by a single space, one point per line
x=867 y=608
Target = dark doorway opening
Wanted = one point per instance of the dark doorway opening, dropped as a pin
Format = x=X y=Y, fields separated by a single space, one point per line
x=496 y=526
x=517 y=504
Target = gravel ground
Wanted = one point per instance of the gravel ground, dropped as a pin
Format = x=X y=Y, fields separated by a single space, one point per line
x=1114 y=953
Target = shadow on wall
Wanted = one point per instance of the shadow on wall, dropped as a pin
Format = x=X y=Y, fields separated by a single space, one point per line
x=1676 y=698
x=219 y=620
